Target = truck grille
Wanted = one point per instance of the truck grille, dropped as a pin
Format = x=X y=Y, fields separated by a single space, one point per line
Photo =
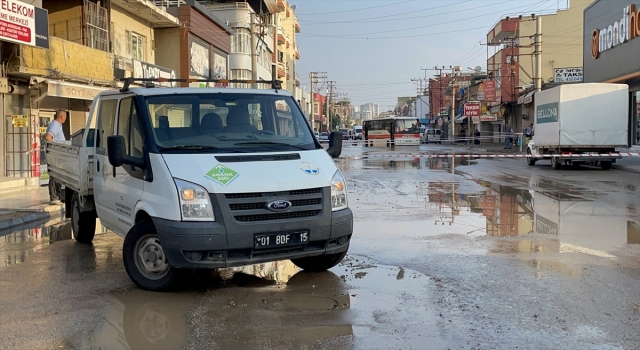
x=251 y=207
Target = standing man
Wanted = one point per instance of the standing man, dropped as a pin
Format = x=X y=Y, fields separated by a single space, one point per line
x=56 y=134
x=508 y=133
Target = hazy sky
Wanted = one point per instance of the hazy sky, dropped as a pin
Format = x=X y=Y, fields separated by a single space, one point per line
x=373 y=48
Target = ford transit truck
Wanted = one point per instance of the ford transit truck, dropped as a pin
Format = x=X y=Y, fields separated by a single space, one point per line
x=579 y=123
x=204 y=178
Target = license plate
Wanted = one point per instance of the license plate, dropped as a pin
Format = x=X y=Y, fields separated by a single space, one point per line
x=268 y=240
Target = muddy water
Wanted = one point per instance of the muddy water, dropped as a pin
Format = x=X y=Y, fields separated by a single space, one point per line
x=444 y=255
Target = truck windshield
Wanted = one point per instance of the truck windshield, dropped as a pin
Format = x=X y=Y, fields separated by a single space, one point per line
x=220 y=122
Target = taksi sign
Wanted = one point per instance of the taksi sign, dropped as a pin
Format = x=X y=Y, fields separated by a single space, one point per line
x=24 y=24
x=567 y=75
x=472 y=109
x=616 y=33
x=547 y=113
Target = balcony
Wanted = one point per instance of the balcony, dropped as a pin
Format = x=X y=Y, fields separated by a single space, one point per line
x=281 y=5
x=84 y=64
x=296 y=24
x=281 y=36
x=228 y=6
x=502 y=30
x=151 y=12
x=281 y=72
x=297 y=48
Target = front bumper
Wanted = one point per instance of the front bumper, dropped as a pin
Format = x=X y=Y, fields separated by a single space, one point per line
x=180 y=239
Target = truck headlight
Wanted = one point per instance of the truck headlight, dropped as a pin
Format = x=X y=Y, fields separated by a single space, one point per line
x=338 y=192
x=195 y=204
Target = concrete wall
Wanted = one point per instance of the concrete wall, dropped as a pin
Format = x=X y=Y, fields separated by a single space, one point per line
x=122 y=21
x=165 y=38
x=69 y=59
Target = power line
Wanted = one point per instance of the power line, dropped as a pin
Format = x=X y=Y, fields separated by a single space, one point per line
x=353 y=10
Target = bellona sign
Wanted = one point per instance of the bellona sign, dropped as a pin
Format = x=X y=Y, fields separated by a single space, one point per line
x=616 y=33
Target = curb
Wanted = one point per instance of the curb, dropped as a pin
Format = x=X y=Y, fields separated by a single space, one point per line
x=28 y=216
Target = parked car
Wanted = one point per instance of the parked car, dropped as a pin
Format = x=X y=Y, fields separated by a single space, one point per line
x=324 y=136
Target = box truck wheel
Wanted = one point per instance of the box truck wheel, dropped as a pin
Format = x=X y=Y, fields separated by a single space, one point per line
x=82 y=223
x=555 y=164
x=606 y=164
x=145 y=261
x=319 y=263
x=530 y=159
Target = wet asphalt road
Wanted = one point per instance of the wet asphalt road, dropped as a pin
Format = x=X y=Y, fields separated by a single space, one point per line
x=478 y=254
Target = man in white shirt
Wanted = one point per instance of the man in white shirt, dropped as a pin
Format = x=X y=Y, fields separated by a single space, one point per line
x=55 y=133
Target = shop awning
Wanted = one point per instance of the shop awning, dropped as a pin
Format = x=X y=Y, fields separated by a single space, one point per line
x=460 y=118
x=57 y=88
x=528 y=98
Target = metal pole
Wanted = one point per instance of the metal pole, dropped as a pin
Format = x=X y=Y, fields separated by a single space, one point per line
x=538 y=51
x=453 y=106
x=313 y=100
x=254 y=53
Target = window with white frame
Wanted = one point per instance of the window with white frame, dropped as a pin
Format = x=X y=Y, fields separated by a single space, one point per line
x=240 y=74
x=241 y=41
x=135 y=45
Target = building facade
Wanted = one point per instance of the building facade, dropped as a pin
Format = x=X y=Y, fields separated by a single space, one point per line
x=511 y=64
x=610 y=47
x=369 y=111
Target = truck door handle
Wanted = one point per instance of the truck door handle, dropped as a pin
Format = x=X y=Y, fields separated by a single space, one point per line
x=98 y=164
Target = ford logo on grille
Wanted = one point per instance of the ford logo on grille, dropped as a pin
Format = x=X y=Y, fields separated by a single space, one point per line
x=279 y=205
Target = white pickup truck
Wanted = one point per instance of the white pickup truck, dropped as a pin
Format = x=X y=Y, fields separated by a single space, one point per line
x=204 y=178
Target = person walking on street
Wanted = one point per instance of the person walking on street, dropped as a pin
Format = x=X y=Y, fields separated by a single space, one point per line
x=56 y=134
x=508 y=134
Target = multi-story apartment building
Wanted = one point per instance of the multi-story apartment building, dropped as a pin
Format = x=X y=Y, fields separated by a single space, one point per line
x=369 y=111
x=512 y=62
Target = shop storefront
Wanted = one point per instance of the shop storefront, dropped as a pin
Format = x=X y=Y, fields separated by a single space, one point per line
x=611 y=44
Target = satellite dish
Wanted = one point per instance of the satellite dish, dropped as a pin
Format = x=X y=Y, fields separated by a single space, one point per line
x=293 y=7
x=478 y=69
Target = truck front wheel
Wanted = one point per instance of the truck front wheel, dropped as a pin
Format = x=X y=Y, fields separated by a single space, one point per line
x=145 y=261
x=530 y=159
x=82 y=223
x=319 y=263
x=555 y=164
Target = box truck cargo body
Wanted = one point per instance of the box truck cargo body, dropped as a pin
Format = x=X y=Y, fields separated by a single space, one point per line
x=574 y=122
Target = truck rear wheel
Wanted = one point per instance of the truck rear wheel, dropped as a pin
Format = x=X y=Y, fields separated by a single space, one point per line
x=319 y=263
x=606 y=165
x=82 y=223
x=145 y=261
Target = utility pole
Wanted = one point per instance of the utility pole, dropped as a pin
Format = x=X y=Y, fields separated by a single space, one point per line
x=254 y=51
x=538 y=53
x=330 y=94
x=315 y=78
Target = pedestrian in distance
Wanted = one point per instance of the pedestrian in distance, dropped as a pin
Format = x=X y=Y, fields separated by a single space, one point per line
x=508 y=133
x=56 y=134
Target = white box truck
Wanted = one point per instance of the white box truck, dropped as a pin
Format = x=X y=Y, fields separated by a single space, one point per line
x=574 y=122
x=202 y=179
x=581 y=225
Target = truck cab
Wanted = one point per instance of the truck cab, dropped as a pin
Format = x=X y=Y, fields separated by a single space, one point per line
x=204 y=178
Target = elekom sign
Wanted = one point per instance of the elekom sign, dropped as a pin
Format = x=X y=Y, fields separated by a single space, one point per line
x=22 y=23
x=617 y=33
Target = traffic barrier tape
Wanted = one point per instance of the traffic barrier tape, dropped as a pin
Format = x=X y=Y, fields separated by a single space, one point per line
x=572 y=155
x=384 y=141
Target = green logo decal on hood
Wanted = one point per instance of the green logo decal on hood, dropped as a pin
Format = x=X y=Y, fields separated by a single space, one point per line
x=222 y=174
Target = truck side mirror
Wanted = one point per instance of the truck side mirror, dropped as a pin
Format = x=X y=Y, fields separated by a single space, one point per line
x=335 y=144
x=117 y=155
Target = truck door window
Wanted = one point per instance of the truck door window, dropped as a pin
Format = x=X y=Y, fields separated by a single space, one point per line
x=106 y=124
x=129 y=127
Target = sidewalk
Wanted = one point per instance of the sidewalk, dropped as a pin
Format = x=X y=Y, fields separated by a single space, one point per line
x=629 y=164
x=25 y=207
